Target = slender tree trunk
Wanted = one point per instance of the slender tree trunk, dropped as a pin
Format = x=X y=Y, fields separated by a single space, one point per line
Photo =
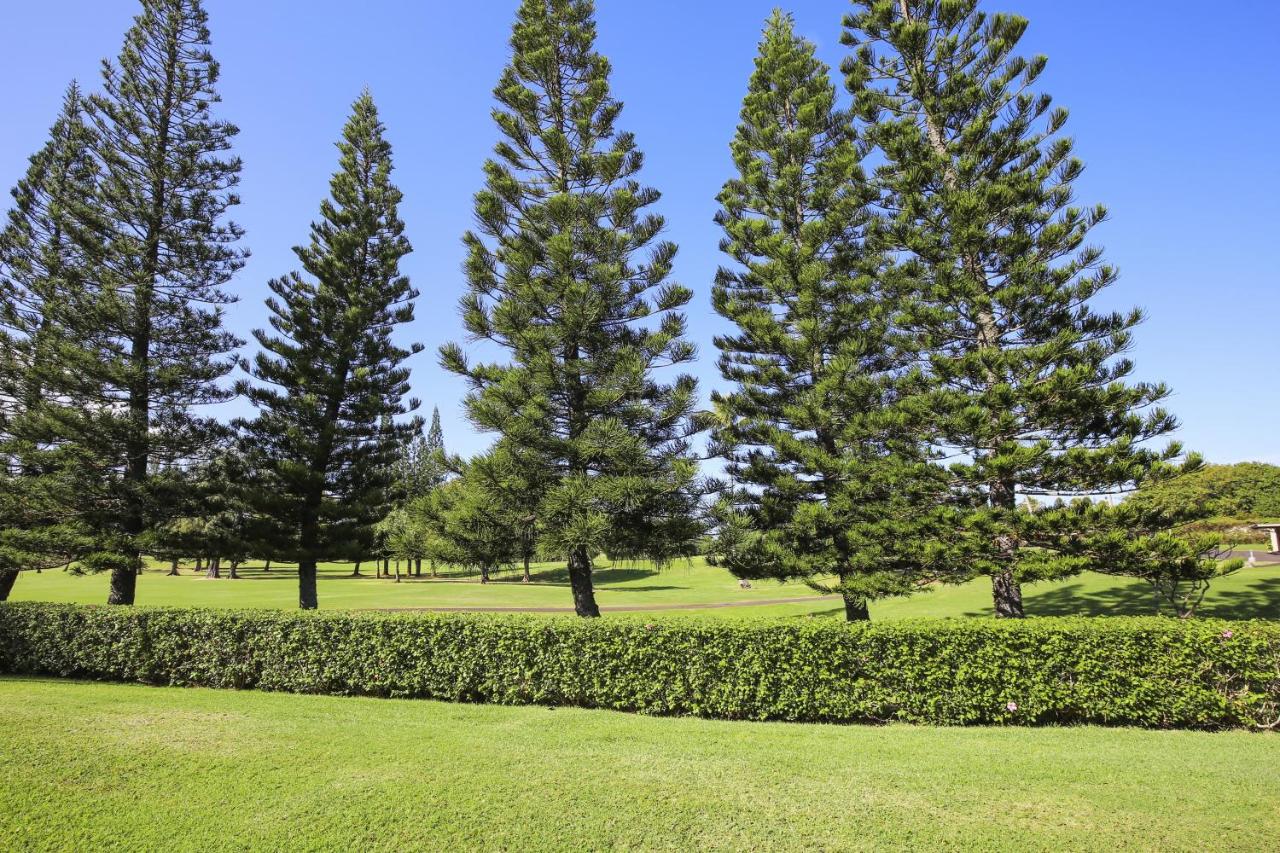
x=199 y=564
x=235 y=564
x=433 y=569
x=173 y=567
x=1005 y=590
x=7 y=579
x=355 y=573
x=397 y=571
x=307 y=596
x=528 y=578
x=584 y=596
x=484 y=574
x=417 y=567
x=267 y=566
x=215 y=568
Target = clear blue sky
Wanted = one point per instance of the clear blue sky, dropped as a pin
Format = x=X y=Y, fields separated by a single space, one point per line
x=1177 y=122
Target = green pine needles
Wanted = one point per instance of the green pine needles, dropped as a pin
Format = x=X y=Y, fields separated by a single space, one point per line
x=568 y=275
x=330 y=379
x=1029 y=383
x=832 y=479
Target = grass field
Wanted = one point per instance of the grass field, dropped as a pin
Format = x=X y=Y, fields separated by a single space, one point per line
x=96 y=767
x=1251 y=593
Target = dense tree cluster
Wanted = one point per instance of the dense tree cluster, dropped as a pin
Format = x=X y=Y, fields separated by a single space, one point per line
x=917 y=388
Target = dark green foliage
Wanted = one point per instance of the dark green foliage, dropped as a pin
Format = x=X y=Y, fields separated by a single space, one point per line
x=469 y=525
x=330 y=380
x=568 y=275
x=44 y=256
x=832 y=479
x=424 y=464
x=1249 y=491
x=1033 y=397
x=1148 y=671
x=149 y=347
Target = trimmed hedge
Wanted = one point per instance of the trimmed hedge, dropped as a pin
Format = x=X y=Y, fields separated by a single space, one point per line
x=1154 y=672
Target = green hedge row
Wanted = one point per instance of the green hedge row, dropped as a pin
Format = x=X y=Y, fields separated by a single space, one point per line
x=1133 y=671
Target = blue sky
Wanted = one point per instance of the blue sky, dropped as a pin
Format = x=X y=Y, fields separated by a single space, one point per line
x=1177 y=123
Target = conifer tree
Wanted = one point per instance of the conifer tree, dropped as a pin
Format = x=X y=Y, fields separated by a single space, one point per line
x=46 y=247
x=331 y=380
x=569 y=276
x=831 y=485
x=152 y=348
x=1032 y=392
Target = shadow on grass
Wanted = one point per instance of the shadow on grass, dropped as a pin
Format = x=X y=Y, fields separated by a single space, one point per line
x=1257 y=598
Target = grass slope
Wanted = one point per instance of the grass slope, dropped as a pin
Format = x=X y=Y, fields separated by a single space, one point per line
x=92 y=766
x=1251 y=593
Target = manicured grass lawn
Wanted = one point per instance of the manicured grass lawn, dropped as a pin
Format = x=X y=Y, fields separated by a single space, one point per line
x=95 y=766
x=1251 y=593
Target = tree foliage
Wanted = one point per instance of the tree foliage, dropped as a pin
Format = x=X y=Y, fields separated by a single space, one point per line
x=569 y=276
x=330 y=379
x=832 y=481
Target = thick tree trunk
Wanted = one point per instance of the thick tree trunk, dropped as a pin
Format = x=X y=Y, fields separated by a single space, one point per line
x=584 y=595
x=484 y=574
x=8 y=578
x=235 y=564
x=307 y=596
x=855 y=609
x=1008 y=596
x=124 y=586
x=215 y=568
x=173 y=567
x=417 y=567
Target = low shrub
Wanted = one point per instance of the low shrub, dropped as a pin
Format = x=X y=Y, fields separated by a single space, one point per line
x=1152 y=672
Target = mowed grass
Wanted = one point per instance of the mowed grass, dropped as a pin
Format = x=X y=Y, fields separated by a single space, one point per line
x=1249 y=594
x=123 y=767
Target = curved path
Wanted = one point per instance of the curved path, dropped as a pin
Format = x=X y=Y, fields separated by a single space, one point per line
x=626 y=608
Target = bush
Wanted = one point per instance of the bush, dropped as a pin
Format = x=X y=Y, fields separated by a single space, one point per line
x=1132 y=671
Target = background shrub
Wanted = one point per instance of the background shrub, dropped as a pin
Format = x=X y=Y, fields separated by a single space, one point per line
x=1152 y=672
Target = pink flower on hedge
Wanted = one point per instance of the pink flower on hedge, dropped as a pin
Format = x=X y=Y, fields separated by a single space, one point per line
x=1228 y=634
x=1011 y=706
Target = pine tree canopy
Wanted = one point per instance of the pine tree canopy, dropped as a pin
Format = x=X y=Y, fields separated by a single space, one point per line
x=330 y=379
x=831 y=485
x=1031 y=383
x=568 y=275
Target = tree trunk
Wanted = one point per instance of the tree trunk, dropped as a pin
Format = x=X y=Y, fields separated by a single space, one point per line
x=215 y=568
x=433 y=569
x=173 y=567
x=417 y=567
x=7 y=579
x=855 y=609
x=235 y=564
x=397 y=571
x=124 y=585
x=528 y=578
x=355 y=573
x=267 y=566
x=307 y=597
x=484 y=574
x=199 y=564
x=1008 y=596
x=584 y=596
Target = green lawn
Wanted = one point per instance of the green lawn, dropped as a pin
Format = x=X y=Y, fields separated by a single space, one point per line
x=1251 y=593
x=96 y=767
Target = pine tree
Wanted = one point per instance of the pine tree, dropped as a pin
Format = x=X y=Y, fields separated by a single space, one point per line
x=46 y=248
x=569 y=276
x=1033 y=398
x=832 y=487
x=152 y=348
x=330 y=378
x=424 y=464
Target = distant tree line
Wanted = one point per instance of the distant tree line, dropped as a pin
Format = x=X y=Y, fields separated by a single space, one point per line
x=916 y=387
